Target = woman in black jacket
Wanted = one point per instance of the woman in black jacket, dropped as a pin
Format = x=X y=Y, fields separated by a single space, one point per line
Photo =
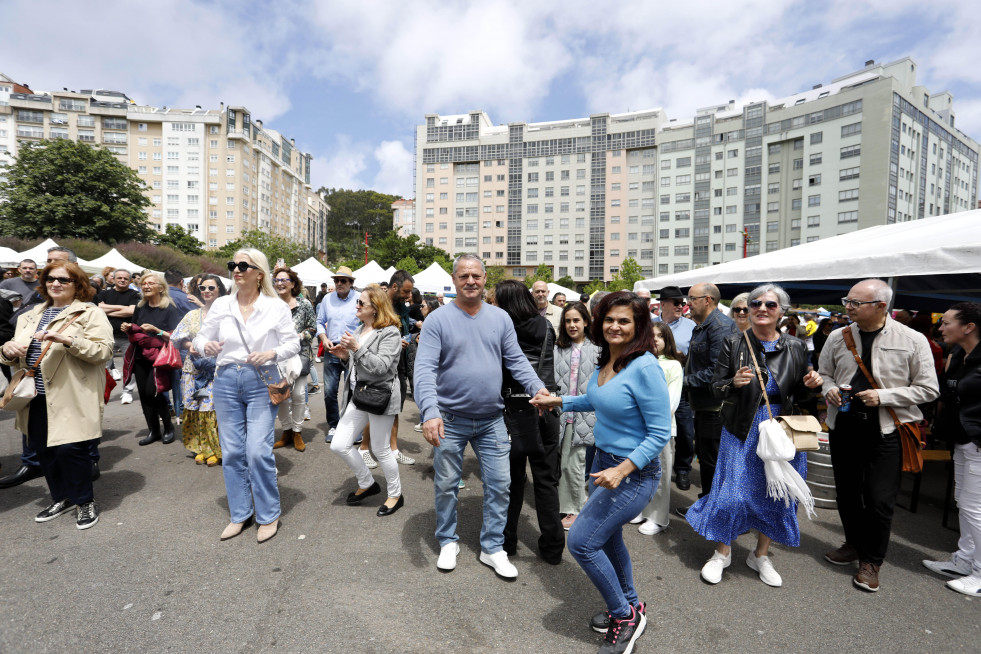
x=536 y=338
x=959 y=420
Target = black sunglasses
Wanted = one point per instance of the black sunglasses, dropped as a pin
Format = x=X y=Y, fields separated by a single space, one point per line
x=770 y=304
x=64 y=281
x=362 y=304
x=740 y=310
x=241 y=265
x=207 y=288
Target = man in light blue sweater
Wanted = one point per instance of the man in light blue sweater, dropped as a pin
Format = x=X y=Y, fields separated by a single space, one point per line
x=457 y=387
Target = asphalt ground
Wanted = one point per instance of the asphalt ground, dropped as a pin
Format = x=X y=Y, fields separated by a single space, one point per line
x=152 y=576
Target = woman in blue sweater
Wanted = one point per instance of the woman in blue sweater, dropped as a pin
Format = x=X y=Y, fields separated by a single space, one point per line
x=629 y=394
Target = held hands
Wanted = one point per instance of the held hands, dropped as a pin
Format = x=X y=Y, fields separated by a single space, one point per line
x=743 y=376
x=261 y=358
x=432 y=431
x=813 y=380
x=543 y=401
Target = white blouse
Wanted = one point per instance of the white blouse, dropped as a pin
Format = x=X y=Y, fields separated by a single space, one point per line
x=270 y=327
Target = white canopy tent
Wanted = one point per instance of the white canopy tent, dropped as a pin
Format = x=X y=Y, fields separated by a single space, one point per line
x=931 y=263
x=313 y=273
x=390 y=271
x=38 y=253
x=434 y=280
x=570 y=295
x=111 y=258
x=9 y=258
x=372 y=273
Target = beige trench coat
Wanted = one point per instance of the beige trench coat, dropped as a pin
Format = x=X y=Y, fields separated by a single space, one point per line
x=74 y=376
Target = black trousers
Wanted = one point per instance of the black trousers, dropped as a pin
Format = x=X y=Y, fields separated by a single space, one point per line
x=867 y=467
x=154 y=404
x=708 y=434
x=684 y=442
x=67 y=468
x=545 y=478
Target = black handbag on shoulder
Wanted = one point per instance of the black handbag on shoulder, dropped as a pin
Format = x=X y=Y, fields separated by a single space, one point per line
x=373 y=398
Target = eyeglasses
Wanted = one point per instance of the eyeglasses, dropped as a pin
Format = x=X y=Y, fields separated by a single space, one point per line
x=770 y=304
x=692 y=298
x=740 y=309
x=848 y=302
x=363 y=304
x=207 y=288
x=279 y=281
x=241 y=265
x=64 y=281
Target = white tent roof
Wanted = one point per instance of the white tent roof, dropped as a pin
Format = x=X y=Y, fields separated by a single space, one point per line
x=9 y=257
x=38 y=253
x=111 y=258
x=434 y=280
x=372 y=273
x=390 y=271
x=936 y=261
x=314 y=273
x=570 y=295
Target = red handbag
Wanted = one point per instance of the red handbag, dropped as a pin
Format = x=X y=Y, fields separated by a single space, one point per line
x=110 y=384
x=169 y=357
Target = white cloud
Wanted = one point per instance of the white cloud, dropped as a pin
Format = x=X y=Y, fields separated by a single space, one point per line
x=394 y=169
x=385 y=167
x=343 y=167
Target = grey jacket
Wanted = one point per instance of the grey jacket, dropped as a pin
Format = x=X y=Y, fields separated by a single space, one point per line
x=583 y=422
x=377 y=361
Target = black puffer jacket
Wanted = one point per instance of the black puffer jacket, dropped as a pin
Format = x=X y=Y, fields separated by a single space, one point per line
x=788 y=363
x=962 y=400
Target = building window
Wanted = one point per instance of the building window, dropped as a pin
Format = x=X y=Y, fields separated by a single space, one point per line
x=851 y=130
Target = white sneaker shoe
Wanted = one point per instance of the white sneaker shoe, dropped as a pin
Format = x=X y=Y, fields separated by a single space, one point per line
x=306 y=414
x=969 y=585
x=650 y=528
x=762 y=565
x=403 y=459
x=447 y=556
x=639 y=518
x=116 y=375
x=499 y=561
x=368 y=459
x=126 y=398
x=418 y=428
x=954 y=567
x=712 y=570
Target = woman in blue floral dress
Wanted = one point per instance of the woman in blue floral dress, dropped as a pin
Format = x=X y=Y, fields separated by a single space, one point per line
x=738 y=501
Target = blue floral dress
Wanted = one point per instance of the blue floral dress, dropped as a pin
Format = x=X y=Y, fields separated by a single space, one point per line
x=738 y=501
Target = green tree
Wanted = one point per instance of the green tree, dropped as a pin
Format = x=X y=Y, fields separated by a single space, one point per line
x=409 y=265
x=629 y=273
x=595 y=285
x=567 y=282
x=274 y=247
x=180 y=239
x=352 y=213
x=496 y=275
x=63 y=188
x=543 y=273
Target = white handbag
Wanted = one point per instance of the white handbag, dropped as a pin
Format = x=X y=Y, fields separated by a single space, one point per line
x=21 y=389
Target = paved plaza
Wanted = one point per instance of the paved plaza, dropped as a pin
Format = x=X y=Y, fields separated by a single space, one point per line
x=152 y=576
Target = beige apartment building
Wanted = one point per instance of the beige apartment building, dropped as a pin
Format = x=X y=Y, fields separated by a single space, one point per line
x=870 y=148
x=404 y=217
x=217 y=173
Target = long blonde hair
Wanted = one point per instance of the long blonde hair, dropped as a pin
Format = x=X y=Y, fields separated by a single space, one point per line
x=165 y=300
x=258 y=259
x=384 y=312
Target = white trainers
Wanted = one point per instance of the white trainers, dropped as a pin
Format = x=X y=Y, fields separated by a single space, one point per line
x=712 y=570
x=969 y=585
x=403 y=459
x=116 y=375
x=499 y=561
x=418 y=428
x=126 y=398
x=650 y=528
x=368 y=459
x=306 y=414
x=639 y=518
x=762 y=565
x=447 y=556
x=954 y=567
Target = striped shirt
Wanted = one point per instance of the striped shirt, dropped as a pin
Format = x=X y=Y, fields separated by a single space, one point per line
x=34 y=349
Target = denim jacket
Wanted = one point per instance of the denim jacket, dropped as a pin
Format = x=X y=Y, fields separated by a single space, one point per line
x=703 y=352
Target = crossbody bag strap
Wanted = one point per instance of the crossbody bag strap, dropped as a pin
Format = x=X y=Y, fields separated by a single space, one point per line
x=545 y=346
x=850 y=343
x=33 y=369
x=759 y=373
x=244 y=342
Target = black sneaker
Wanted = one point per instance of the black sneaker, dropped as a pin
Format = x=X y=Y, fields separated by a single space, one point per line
x=87 y=516
x=55 y=510
x=623 y=633
x=601 y=621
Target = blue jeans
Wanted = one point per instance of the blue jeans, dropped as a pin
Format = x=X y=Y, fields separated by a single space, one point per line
x=489 y=439
x=596 y=537
x=246 y=420
x=332 y=377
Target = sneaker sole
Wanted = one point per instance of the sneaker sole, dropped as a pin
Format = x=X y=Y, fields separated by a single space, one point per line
x=50 y=518
x=91 y=524
x=953 y=573
x=498 y=573
x=450 y=569
x=833 y=562
x=641 y=626
x=755 y=568
x=976 y=593
x=868 y=589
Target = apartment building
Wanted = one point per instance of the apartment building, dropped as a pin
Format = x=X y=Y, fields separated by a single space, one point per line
x=870 y=148
x=217 y=173
x=404 y=217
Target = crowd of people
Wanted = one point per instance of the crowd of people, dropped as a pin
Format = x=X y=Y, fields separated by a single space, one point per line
x=606 y=400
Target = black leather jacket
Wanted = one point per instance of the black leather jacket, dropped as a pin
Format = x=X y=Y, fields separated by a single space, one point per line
x=961 y=401
x=788 y=364
x=703 y=352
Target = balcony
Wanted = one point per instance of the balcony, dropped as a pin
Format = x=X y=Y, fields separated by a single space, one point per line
x=30 y=132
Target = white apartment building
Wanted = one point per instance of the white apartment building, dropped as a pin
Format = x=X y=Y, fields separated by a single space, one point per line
x=870 y=148
x=404 y=217
x=217 y=173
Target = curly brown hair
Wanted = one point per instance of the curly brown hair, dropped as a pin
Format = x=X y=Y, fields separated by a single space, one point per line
x=297 y=284
x=84 y=290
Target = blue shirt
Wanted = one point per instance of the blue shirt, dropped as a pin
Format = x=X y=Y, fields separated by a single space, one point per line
x=681 y=329
x=458 y=363
x=633 y=410
x=336 y=316
x=180 y=300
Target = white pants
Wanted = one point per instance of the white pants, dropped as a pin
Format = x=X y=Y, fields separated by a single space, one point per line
x=659 y=508
x=351 y=424
x=291 y=411
x=967 y=494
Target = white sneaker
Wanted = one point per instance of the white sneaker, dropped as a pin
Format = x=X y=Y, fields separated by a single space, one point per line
x=447 y=556
x=954 y=567
x=306 y=414
x=650 y=528
x=500 y=563
x=639 y=518
x=418 y=428
x=969 y=585
x=126 y=398
x=116 y=374
x=403 y=459
x=762 y=565
x=318 y=359
x=368 y=459
x=712 y=570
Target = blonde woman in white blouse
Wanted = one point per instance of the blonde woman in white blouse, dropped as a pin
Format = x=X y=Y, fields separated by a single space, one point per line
x=249 y=331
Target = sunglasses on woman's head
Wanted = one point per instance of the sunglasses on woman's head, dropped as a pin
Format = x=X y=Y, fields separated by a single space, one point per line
x=740 y=309
x=770 y=304
x=241 y=265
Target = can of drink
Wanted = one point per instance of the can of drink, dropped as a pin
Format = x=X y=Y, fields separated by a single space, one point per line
x=846 y=398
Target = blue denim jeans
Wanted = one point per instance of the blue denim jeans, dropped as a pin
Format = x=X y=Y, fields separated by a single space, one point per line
x=332 y=377
x=246 y=420
x=596 y=537
x=489 y=439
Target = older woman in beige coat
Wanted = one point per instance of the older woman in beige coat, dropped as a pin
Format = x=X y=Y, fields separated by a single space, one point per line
x=73 y=340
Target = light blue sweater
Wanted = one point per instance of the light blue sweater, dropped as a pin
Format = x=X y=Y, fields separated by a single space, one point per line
x=633 y=410
x=458 y=363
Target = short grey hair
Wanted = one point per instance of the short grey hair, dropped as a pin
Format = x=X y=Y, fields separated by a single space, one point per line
x=742 y=297
x=119 y=270
x=468 y=257
x=781 y=294
x=72 y=257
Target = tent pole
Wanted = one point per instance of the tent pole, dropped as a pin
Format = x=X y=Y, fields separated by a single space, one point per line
x=894 y=285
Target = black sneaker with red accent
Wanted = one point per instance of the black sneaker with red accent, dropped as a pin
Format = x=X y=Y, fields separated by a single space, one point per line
x=623 y=633
x=600 y=622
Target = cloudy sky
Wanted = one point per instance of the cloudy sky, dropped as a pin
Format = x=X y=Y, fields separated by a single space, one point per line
x=349 y=80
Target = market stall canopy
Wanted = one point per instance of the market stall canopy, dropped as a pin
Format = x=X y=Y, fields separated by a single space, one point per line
x=9 y=258
x=313 y=273
x=570 y=295
x=931 y=263
x=390 y=271
x=112 y=258
x=371 y=273
x=38 y=253
x=434 y=280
